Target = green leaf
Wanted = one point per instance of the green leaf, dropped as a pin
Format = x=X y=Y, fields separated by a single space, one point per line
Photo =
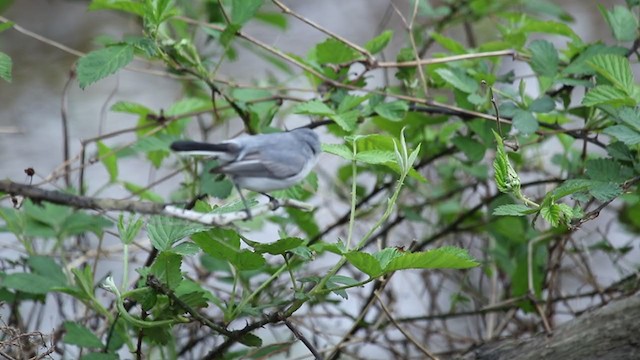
x=379 y=42
x=551 y=214
x=544 y=58
x=28 y=283
x=333 y=51
x=243 y=10
x=616 y=69
x=543 y=104
x=338 y=149
x=449 y=43
x=507 y=180
x=622 y=22
x=166 y=268
x=351 y=101
x=99 y=64
x=76 y=334
x=447 y=257
x=313 y=107
x=624 y=133
x=525 y=122
x=142 y=191
x=459 y=79
x=164 y=231
x=99 y=356
x=274 y=19
x=109 y=160
x=570 y=187
x=5 y=67
x=604 y=191
x=47 y=267
x=250 y=340
x=131 y=108
x=472 y=149
x=394 y=110
x=279 y=247
x=136 y=8
x=630 y=117
x=130 y=230
x=365 y=262
x=346 y=120
x=375 y=156
x=606 y=94
x=605 y=170
x=225 y=245
x=513 y=210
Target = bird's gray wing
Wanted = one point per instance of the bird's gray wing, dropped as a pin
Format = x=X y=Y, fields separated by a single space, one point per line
x=271 y=163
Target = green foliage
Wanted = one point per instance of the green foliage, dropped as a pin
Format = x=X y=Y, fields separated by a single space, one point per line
x=5 y=67
x=101 y=63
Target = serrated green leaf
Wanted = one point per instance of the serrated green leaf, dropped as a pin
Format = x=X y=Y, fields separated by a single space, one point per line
x=447 y=257
x=525 y=122
x=606 y=94
x=99 y=64
x=507 y=180
x=166 y=268
x=351 y=101
x=604 y=170
x=365 y=262
x=338 y=149
x=333 y=51
x=616 y=69
x=243 y=10
x=109 y=160
x=630 y=117
x=544 y=58
x=571 y=187
x=624 y=133
x=551 y=214
x=5 y=67
x=604 y=191
x=513 y=210
x=394 y=110
x=459 y=79
x=346 y=120
x=623 y=23
x=313 y=107
x=279 y=247
x=76 y=334
x=164 y=231
x=620 y=151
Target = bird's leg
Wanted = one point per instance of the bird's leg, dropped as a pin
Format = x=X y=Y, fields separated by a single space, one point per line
x=244 y=202
x=274 y=202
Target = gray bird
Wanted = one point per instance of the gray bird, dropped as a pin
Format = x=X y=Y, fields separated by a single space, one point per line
x=261 y=163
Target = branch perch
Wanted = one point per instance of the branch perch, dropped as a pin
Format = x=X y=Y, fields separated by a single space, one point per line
x=141 y=207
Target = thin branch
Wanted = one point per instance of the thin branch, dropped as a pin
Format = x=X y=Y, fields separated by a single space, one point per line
x=140 y=207
x=302 y=338
x=402 y=329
